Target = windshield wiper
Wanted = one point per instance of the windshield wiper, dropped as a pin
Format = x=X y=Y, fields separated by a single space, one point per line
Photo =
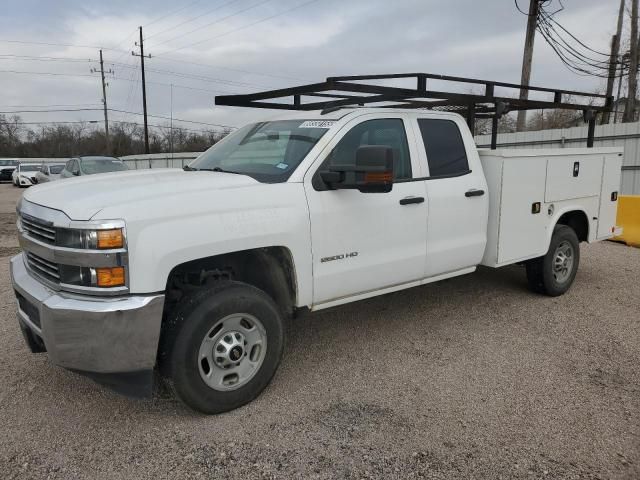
x=214 y=169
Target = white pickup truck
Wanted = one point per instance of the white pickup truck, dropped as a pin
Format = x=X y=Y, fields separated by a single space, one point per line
x=195 y=272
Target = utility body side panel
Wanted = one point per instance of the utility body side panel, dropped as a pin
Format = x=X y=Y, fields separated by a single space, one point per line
x=530 y=190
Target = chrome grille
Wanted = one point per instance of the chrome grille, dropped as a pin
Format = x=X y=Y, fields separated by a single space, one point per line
x=44 y=268
x=39 y=229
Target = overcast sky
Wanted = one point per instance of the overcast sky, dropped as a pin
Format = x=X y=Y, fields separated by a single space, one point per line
x=249 y=45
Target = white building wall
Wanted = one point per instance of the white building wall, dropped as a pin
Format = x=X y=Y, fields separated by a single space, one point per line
x=625 y=135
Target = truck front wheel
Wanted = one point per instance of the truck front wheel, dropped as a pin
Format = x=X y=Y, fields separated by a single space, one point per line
x=227 y=344
x=554 y=273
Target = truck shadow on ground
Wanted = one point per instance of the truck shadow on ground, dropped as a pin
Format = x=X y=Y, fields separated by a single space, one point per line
x=314 y=336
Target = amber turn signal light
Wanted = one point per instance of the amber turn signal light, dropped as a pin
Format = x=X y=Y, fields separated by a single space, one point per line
x=110 y=277
x=110 y=238
x=378 y=177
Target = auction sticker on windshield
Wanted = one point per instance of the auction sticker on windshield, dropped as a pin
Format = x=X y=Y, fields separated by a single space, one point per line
x=317 y=124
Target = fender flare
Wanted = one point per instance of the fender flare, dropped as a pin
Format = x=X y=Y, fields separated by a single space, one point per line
x=557 y=215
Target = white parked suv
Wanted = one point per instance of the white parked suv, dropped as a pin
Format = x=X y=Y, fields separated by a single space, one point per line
x=195 y=272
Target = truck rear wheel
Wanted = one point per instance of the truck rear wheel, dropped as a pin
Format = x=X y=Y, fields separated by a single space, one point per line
x=554 y=273
x=227 y=344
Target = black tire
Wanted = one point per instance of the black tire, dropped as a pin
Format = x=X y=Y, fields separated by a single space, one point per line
x=190 y=323
x=540 y=271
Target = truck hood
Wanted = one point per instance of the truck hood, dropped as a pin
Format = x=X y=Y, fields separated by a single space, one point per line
x=84 y=197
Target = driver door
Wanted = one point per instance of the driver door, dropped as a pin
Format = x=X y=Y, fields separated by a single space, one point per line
x=366 y=242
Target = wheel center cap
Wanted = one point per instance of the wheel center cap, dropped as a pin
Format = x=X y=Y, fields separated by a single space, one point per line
x=236 y=353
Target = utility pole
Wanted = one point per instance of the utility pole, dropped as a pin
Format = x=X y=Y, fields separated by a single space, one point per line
x=630 y=108
x=104 y=105
x=527 y=58
x=613 y=60
x=144 y=91
x=171 y=126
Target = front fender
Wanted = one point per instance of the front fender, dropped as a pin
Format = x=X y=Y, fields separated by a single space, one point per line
x=158 y=244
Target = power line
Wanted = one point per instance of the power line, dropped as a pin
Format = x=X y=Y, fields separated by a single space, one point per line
x=56 y=122
x=165 y=127
x=48 y=73
x=241 y=28
x=52 y=105
x=262 y=74
x=46 y=59
x=173 y=12
x=250 y=7
x=72 y=122
x=94 y=47
x=204 y=14
x=174 y=119
x=59 y=110
x=54 y=110
x=176 y=86
x=196 y=77
x=576 y=61
x=550 y=18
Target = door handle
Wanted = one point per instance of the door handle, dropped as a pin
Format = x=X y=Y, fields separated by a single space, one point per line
x=474 y=193
x=411 y=200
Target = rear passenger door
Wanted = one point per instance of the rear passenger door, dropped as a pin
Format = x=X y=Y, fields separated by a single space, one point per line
x=457 y=195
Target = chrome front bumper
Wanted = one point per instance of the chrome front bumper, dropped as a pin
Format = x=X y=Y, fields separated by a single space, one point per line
x=102 y=336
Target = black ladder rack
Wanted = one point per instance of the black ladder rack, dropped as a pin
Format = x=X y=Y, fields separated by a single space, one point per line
x=338 y=92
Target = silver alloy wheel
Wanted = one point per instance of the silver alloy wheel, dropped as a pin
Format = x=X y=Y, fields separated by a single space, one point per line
x=563 y=259
x=232 y=352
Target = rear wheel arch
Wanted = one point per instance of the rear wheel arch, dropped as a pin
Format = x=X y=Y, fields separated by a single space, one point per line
x=578 y=221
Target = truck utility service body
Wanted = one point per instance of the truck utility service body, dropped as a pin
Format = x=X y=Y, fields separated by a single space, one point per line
x=294 y=237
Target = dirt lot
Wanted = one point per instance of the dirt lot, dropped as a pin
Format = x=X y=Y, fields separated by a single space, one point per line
x=469 y=378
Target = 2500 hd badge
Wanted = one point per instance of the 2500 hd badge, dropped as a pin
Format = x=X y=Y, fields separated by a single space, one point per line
x=339 y=257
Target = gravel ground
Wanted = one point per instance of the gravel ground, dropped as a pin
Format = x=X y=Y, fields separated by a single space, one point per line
x=474 y=377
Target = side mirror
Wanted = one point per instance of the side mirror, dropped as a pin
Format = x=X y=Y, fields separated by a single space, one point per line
x=372 y=172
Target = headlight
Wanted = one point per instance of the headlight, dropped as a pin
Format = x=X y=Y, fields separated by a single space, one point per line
x=78 y=256
x=112 y=238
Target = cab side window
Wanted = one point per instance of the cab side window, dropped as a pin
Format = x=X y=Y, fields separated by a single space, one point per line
x=388 y=132
x=443 y=143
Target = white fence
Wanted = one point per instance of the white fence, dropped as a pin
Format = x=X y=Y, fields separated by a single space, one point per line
x=159 y=160
x=625 y=135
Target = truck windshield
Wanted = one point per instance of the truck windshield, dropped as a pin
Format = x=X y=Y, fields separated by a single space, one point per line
x=267 y=151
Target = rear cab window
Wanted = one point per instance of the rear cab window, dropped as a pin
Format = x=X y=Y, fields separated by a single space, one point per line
x=443 y=143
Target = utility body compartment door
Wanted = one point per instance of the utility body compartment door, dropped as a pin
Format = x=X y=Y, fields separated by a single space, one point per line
x=573 y=176
x=522 y=231
x=611 y=172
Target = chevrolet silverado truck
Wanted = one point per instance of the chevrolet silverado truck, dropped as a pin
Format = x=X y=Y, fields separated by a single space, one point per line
x=193 y=273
